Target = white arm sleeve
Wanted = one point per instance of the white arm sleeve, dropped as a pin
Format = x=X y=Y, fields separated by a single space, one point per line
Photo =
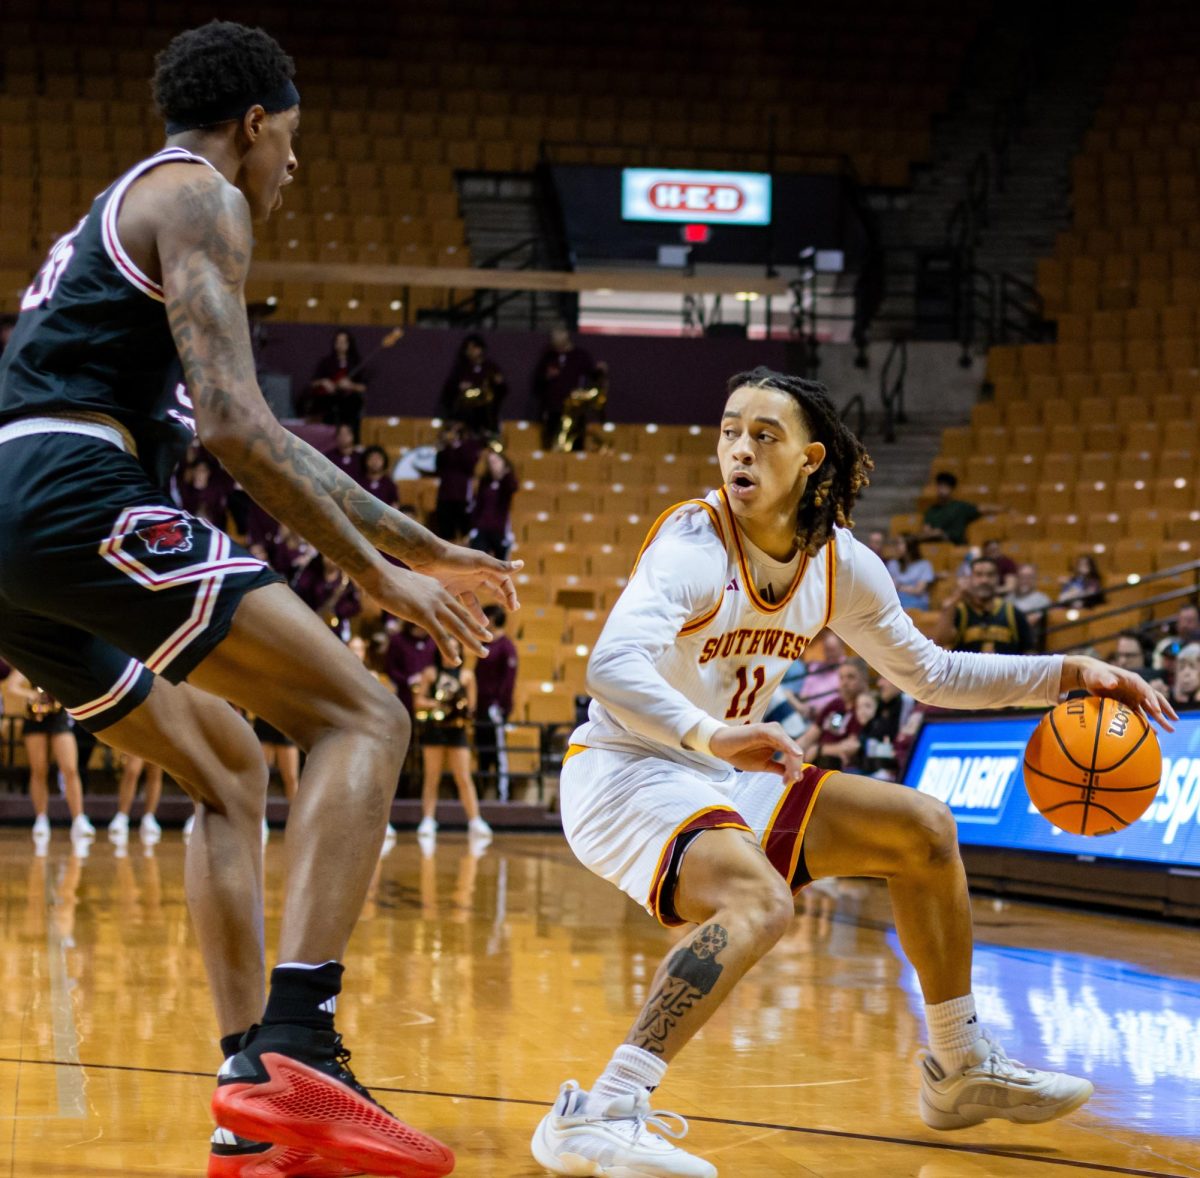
x=867 y=616
x=680 y=576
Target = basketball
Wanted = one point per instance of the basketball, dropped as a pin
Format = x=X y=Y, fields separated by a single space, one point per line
x=1092 y=766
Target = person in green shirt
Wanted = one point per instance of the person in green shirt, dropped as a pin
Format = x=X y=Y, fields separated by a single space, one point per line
x=948 y=518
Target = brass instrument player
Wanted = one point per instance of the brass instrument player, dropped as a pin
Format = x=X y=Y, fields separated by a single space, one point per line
x=48 y=730
x=444 y=698
x=474 y=390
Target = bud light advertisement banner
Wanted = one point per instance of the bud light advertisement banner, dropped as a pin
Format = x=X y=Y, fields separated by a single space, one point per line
x=974 y=766
x=672 y=194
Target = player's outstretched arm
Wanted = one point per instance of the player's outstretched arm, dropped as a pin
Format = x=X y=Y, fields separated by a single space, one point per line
x=869 y=618
x=204 y=243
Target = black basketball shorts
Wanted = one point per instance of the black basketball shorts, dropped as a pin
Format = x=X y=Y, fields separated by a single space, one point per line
x=104 y=582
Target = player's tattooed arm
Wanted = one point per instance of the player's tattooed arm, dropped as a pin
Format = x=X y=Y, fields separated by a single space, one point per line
x=691 y=975
x=204 y=246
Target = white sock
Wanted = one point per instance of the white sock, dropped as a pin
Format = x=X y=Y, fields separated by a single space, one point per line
x=953 y=1030
x=630 y=1072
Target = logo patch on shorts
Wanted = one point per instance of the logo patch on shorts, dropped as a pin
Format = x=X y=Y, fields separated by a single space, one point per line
x=169 y=535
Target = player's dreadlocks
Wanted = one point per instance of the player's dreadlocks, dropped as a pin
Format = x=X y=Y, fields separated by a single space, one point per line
x=204 y=74
x=832 y=489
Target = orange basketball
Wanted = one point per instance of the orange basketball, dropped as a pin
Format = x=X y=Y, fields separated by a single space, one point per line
x=1092 y=766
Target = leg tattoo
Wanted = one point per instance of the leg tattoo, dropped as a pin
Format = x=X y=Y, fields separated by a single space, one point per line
x=691 y=974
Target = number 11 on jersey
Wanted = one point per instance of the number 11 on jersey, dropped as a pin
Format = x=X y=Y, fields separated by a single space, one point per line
x=737 y=709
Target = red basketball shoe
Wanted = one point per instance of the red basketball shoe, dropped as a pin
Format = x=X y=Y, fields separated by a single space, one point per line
x=293 y=1086
x=235 y=1157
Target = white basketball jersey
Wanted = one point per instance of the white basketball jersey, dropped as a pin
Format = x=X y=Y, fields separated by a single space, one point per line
x=692 y=640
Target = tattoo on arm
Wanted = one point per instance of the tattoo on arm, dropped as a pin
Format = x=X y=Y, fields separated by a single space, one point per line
x=204 y=247
x=691 y=975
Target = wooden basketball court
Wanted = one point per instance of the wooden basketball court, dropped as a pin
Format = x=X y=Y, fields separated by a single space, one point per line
x=477 y=984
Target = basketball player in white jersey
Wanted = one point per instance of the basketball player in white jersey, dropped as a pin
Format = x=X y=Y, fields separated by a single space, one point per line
x=726 y=593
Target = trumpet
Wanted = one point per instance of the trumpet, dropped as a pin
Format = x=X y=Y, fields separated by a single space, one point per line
x=476 y=397
x=575 y=413
x=42 y=705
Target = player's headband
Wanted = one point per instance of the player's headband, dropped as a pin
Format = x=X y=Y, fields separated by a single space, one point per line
x=284 y=98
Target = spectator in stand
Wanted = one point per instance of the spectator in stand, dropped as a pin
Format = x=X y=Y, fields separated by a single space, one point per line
x=1028 y=598
x=808 y=687
x=1185 y=690
x=1084 y=588
x=203 y=495
x=821 y=682
x=976 y=618
x=346 y=454
x=375 y=476
x=562 y=369
x=879 y=724
x=329 y=592
x=785 y=706
x=48 y=731
x=1130 y=654
x=833 y=740
x=118 y=828
x=948 y=518
x=287 y=553
x=495 y=678
x=877 y=542
x=454 y=467
x=1187 y=625
x=409 y=652
x=445 y=699
x=474 y=389
x=911 y=573
x=491 y=527
x=1005 y=566
x=336 y=394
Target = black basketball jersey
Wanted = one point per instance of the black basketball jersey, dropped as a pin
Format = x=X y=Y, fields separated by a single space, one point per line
x=93 y=337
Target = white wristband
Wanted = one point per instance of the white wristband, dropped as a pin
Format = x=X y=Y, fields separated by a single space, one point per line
x=699 y=739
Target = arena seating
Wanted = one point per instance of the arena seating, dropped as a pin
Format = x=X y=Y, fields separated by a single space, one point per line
x=579 y=521
x=407 y=96
x=1091 y=442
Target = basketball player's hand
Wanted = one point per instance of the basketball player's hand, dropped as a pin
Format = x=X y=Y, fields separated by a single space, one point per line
x=1081 y=673
x=754 y=747
x=466 y=572
x=451 y=622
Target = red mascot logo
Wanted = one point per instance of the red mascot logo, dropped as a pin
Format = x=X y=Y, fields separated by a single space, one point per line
x=169 y=535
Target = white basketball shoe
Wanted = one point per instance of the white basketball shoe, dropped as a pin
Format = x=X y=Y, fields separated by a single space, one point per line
x=614 y=1140
x=990 y=1086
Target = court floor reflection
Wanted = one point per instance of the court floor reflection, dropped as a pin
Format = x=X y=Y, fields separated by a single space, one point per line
x=481 y=976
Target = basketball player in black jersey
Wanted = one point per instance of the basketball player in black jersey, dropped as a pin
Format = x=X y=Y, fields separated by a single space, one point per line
x=143 y=619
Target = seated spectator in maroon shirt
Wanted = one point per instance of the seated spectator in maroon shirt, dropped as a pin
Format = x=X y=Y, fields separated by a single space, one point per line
x=409 y=651
x=495 y=678
x=455 y=466
x=346 y=454
x=562 y=369
x=328 y=591
x=203 y=495
x=336 y=394
x=375 y=476
x=833 y=739
x=491 y=529
x=475 y=389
